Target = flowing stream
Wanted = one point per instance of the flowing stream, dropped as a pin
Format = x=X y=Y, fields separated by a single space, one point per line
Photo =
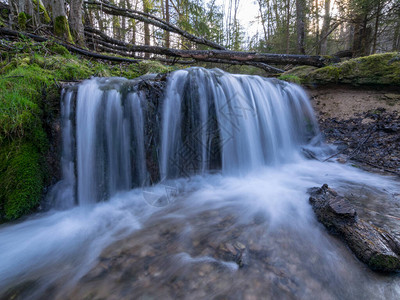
x=193 y=186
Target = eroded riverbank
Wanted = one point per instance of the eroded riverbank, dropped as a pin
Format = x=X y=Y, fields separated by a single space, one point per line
x=364 y=124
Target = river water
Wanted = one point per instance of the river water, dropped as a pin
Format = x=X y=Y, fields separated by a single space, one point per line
x=229 y=217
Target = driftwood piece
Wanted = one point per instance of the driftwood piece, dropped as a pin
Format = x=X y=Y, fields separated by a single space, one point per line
x=372 y=245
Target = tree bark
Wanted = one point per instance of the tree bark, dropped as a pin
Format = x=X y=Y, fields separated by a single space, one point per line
x=167 y=35
x=396 y=37
x=378 y=13
x=146 y=28
x=287 y=26
x=263 y=21
x=325 y=27
x=317 y=50
x=61 y=25
x=123 y=21
x=75 y=21
x=300 y=16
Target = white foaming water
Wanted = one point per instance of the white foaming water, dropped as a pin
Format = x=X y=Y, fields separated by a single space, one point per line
x=62 y=246
x=251 y=128
x=255 y=121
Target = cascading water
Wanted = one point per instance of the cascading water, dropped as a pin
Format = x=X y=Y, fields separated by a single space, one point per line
x=241 y=122
x=209 y=120
x=238 y=224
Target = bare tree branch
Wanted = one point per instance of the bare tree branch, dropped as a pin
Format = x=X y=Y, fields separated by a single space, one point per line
x=147 y=18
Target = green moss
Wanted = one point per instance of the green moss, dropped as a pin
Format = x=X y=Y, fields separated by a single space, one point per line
x=378 y=69
x=290 y=78
x=61 y=28
x=101 y=71
x=21 y=179
x=38 y=59
x=329 y=73
x=68 y=68
x=301 y=72
x=58 y=49
x=386 y=263
x=45 y=18
x=149 y=66
x=22 y=20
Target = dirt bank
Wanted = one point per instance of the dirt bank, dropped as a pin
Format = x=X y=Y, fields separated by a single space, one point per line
x=363 y=122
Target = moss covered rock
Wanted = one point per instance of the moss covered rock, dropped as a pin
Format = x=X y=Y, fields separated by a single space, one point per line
x=377 y=69
x=21 y=179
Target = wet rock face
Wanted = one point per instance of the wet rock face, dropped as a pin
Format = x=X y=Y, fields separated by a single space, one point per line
x=372 y=245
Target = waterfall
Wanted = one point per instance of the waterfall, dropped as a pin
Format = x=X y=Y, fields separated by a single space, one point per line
x=119 y=134
x=240 y=122
x=207 y=196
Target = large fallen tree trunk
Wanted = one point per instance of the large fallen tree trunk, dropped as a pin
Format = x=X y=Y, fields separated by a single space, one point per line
x=372 y=245
x=206 y=55
x=149 y=19
x=198 y=55
x=104 y=46
x=129 y=49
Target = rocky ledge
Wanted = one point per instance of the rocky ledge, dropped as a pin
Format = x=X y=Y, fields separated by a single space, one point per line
x=372 y=245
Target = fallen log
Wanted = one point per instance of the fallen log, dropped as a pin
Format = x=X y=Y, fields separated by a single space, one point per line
x=119 y=50
x=167 y=51
x=249 y=58
x=10 y=32
x=372 y=245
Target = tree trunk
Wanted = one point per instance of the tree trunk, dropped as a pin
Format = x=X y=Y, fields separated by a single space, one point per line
x=263 y=20
x=146 y=27
x=287 y=26
x=123 y=21
x=396 y=37
x=317 y=50
x=167 y=35
x=378 y=13
x=116 y=27
x=325 y=27
x=300 y=16
x=75 y=21
x=23 y=12
x=362 y=32
x=61 y=25
x=132 y=21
